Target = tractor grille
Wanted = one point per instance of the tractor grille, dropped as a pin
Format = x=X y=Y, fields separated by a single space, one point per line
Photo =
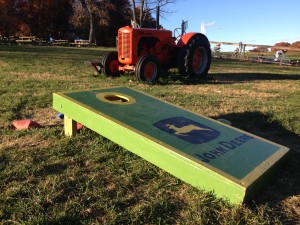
x=124 y=45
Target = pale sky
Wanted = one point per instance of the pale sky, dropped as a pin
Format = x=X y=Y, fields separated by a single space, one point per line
x=249 y=21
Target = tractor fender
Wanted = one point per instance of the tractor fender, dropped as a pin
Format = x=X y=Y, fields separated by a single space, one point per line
x=184 y=40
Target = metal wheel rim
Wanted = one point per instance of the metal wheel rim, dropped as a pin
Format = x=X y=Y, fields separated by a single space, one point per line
x=150 y=71
x=114 y=66
x=200 y=60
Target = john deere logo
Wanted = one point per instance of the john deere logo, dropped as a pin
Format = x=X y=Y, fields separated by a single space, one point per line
x=187 y=130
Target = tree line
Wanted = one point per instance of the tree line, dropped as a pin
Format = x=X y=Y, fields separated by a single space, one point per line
x=95 y=20
x=277 y=47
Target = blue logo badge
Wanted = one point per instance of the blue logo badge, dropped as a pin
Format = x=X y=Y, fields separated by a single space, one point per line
x=187 y=130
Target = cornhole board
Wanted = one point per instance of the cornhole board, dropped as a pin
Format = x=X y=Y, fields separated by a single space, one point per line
x=201 y=151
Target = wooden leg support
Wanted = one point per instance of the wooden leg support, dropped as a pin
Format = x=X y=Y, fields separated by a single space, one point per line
x=69 y=126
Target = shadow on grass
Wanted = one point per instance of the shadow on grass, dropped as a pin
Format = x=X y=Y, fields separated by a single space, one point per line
x=285 y=183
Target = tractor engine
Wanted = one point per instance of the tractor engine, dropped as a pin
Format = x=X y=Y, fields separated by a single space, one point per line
x=136 y=42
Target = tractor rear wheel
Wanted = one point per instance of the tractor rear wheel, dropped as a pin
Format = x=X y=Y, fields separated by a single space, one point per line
x=147 y=69
x=110 y=64
x=195 y=58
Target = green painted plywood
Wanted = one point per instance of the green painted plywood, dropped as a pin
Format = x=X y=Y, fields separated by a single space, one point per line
x=196 y=149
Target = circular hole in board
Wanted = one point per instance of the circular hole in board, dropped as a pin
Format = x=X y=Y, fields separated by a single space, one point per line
x=115 y=98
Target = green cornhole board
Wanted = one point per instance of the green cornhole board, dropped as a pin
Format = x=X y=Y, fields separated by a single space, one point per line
x=201 y=151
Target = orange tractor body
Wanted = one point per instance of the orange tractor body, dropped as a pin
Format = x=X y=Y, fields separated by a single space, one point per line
x=150 y=41
x=146 y=51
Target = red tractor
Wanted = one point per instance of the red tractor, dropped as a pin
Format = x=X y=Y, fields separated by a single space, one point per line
x=146 y=51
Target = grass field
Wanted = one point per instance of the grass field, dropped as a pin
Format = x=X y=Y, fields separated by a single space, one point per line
x=47 y=178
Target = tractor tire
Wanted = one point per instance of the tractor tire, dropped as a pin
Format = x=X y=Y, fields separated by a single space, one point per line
x=147 y=69
x=195 y=58
x=110 y=64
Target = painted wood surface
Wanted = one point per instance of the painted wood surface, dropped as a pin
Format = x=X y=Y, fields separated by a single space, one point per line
x=200 y=151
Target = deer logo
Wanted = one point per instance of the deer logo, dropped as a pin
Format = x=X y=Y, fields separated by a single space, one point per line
x=185 y=129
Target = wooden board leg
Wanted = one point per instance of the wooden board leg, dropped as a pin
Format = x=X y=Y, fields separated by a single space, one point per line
x=69 y=126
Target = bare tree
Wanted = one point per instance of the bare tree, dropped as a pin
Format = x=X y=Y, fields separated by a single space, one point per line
x=80 y=14
x=134 y=23
x=92 y=12
x=145 y=8
x=91 y=19
x=7 y=18
x=100 y=19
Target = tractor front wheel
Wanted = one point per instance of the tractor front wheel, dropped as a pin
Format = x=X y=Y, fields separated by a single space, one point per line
x=195 y=58
x=147 y=69
x=110 y=64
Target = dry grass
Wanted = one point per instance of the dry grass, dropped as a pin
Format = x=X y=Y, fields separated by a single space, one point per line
x=291 y=206
x=225 y=91
x=45 y=117
x=47 y=178
x=23 y=142
x=3 y=64
x=283 y=86
x=14 y=75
